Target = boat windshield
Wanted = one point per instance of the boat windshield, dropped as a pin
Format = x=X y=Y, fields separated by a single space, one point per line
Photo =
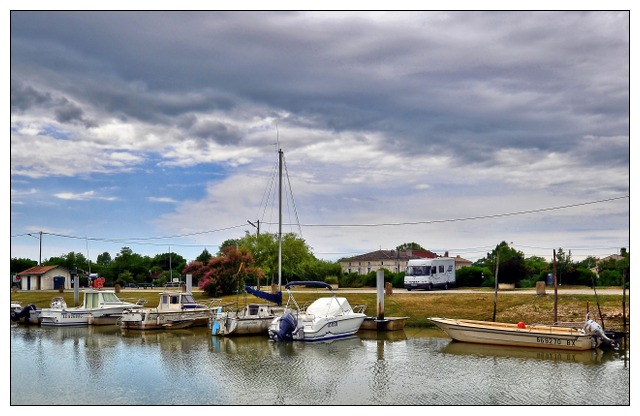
x=188 y=299
x=110 y=297
x=418 y=271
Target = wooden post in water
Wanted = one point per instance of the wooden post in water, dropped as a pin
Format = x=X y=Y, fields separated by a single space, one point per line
x=495 y=289
x=555 y=289
x=380 y=294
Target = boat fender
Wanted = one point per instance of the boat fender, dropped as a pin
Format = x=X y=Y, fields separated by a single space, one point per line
x=521 y=325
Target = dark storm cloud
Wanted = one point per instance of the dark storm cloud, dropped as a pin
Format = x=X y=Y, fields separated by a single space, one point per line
x=520 y=79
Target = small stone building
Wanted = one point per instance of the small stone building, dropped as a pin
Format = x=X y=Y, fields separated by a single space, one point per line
x=44 y=278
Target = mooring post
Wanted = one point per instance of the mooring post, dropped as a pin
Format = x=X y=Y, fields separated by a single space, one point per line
x=380 y=293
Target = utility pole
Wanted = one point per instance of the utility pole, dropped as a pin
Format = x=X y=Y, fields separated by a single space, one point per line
x=40 y=256
x=257 y=227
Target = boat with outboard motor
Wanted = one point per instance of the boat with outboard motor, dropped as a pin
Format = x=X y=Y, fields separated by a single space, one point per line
x=255 y=319
x=176 y=310
x=99 y=307
x=25 y=315
x=252 y=319
x=588 y=336
x=328 y=317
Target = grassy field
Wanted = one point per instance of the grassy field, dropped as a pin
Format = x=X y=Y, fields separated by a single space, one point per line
x=529 y=308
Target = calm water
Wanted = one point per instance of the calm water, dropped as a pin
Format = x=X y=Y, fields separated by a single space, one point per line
x=105 y=366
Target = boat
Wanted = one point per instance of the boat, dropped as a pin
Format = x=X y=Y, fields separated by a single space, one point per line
x=589 y=336
x=252 y=319
x=176 y=310
x=25 y=315
x=327 y=318
x=255 y=319
x=99 y=307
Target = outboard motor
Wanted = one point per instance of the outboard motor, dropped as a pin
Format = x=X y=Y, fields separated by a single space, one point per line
x=23 y=313
x=288 y=324
x=594 y=329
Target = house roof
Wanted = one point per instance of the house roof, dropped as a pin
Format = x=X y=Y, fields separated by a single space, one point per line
x=392 y=255
x=462 y=260
x=37 y=270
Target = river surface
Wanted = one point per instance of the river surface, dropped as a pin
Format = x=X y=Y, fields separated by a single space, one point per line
x=106 y=366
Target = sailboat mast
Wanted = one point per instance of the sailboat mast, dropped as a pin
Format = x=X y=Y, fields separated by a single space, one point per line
x=279 y=219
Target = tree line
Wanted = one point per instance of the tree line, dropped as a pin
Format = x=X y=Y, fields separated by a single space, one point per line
x=253 y=260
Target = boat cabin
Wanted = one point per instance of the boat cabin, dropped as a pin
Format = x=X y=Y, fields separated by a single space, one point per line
x=177 y=301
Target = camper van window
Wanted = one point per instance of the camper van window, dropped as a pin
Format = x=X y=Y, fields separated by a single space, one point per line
x=441 y=269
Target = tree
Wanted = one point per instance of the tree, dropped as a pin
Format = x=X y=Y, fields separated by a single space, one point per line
x=297 y=259
x=511 y=268
x=20 y=265
x=563 y=264
x=412 y=246
x=224 y=274
x=204 y=257
x=104 y=259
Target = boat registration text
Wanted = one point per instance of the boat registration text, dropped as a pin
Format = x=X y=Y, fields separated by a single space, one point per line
x=556 y=341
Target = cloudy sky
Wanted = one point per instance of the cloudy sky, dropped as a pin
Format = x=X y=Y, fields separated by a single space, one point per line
x=455 y=130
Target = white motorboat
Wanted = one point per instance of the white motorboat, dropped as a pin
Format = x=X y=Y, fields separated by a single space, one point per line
x=175 y=310
x=328 y=317
x=99 y=307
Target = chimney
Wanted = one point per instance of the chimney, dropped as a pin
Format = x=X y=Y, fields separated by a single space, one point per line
x=446 y=254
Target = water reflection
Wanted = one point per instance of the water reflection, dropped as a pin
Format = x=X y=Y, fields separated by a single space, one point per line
x=410 y=367
x=526 y=353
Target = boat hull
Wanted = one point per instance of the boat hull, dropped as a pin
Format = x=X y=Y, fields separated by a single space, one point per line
x=323 y=329
x=78 y=317
x=153 y=320
x=496 y=333
x=251 y=320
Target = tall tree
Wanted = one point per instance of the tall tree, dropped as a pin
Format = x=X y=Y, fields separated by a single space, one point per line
x=224 y=274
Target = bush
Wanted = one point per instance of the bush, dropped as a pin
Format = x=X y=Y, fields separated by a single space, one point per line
x=331 y=280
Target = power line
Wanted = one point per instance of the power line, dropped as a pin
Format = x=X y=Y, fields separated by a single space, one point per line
x=134 y=240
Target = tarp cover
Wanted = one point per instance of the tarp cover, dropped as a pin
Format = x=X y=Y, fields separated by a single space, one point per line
x=271 y=297
x=329 y=306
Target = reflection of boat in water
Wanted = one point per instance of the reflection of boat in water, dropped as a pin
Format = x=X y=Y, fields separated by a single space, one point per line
x=99 y=307
x=482 y=350
x=328 y=317
x=176 y=310
x=589 y=336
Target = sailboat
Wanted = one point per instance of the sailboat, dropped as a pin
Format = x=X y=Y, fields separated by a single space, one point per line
x=255 y=319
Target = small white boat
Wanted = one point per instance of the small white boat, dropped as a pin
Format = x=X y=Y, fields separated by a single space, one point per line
x=15 y=307
x=176 y=310
x=99 y=307
x=252 y=319
x=327 y=318
x=587 y=337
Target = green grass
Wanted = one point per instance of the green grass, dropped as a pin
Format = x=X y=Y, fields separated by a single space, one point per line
x=528 y=308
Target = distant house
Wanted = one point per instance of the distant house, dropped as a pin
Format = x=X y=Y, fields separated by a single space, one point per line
x=393 y=260
x=460 y=262
x=44 y=278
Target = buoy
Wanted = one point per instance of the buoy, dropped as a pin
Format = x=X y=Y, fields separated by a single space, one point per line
x=521 y=325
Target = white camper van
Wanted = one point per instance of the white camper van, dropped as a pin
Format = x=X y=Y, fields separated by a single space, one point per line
x=430 y=273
